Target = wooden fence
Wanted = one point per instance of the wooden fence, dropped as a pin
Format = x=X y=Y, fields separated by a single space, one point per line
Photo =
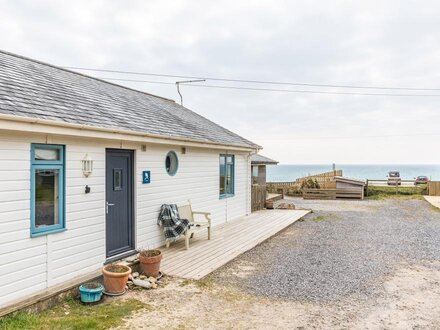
x=258 y=197
x=282 y=184
x=434 y=188
x=322 y=177
x=332 y=193
x=294 y=188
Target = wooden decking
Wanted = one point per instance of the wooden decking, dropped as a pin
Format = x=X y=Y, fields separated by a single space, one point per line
x=434 y=200
x=274 y=197
x=228 y=241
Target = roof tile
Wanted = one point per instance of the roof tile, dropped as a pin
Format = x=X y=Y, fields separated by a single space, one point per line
x=29 y=88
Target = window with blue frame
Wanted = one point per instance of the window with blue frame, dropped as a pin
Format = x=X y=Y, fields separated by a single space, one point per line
x=227 y=175
x=47 y=189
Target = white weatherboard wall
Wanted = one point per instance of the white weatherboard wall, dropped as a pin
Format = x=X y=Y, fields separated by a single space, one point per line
x=30 y=265
x=197 y=179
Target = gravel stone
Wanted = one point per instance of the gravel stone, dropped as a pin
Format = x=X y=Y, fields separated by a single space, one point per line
x=343 y=249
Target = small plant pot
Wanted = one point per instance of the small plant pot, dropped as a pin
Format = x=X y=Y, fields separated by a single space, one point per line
x=115 y=278
x=91 y=292
x=150 y=262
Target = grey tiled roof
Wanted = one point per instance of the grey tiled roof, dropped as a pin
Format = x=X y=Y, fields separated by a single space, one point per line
x=29 y=88
x=260 y=159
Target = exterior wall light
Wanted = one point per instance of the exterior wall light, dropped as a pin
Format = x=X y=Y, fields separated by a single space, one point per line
x=87 y=165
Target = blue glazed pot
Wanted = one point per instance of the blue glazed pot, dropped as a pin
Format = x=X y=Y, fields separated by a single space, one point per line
x=91 y=292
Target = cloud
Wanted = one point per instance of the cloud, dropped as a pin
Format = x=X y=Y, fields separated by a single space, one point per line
x=393 y=43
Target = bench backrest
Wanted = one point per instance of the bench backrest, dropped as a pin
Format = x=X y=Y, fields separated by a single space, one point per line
x=185 y=210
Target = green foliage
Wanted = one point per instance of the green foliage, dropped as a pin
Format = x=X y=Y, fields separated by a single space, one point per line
x=72 y=315
x=408 y=192
x=294 y=191
x=310 y=183
x=20 y=321
x=205 y=283
x=319 y=218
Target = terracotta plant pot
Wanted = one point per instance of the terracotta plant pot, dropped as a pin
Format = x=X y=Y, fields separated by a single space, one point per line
x=115 y=278
x=150 y=262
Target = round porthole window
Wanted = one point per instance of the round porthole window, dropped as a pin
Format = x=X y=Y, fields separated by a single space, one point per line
x=171 y=163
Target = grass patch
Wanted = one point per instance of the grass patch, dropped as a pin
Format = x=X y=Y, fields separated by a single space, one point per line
x=413 y=192
x=206 y=282
x=435 y=209
x=73 y=315
x=319 y=218
x=185 y=282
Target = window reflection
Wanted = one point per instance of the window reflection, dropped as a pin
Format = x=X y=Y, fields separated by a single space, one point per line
x=46 y=197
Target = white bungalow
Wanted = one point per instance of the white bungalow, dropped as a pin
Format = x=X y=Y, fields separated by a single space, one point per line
x=85 y=165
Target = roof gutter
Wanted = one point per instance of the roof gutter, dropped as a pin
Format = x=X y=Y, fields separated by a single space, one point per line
x=109 y=133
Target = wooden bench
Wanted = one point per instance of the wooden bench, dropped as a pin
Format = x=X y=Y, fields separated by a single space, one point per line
x=186 y=212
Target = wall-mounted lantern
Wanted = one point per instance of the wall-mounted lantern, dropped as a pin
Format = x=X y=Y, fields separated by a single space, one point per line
x=87 y=165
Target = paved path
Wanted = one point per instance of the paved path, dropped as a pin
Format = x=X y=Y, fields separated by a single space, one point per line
x=433 y=200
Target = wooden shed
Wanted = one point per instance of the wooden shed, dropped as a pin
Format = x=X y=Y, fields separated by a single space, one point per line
x=343 y=188
x=259 y=163
x=343 y=183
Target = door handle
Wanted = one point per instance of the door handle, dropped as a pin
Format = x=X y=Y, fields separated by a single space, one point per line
x=107 y=204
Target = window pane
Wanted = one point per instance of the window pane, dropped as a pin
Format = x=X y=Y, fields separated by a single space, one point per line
x=229 y=179
x=254 y=170
x=222 y=177
x=46 y=197
x=222 y=160
x=171 y=163
x=229 y=159
x=47 y=154
x=222 y=185
x=168 y=164
x=117 y=179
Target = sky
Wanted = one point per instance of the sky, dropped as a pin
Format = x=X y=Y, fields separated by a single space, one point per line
x=355 y=43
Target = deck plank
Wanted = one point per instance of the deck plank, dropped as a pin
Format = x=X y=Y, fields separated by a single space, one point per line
x=228 y=241
x=218 y=238
x=220 y=248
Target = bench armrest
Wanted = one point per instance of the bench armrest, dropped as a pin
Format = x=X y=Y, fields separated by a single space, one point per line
x=207 y=216
x=204 y=213
x=204 y=223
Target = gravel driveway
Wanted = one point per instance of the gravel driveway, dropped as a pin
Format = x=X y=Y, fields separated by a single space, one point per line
x=347 y=265
x=344 y=249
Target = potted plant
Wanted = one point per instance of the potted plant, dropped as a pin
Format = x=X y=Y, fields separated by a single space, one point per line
x=90 y=292
x=115 y=278
x=150 y=262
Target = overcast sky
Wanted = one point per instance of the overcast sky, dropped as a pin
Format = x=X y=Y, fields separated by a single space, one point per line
x=362 y=43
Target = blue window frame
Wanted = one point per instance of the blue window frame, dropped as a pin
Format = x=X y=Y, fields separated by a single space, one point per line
x=227 y=175
x=47 y=189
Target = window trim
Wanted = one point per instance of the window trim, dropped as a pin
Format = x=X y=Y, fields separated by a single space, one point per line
x=225 y=194
x=49 y=165
x=171 y=152
x=58 y=147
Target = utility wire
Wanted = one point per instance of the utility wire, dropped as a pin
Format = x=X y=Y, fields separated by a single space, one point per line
x=274 y=90
x=351 y=137
x=254 y=81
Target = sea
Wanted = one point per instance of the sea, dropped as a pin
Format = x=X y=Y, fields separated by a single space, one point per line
x=280 y=173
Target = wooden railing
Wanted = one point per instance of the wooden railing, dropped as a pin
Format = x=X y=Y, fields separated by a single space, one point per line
x=282 y=184
x=322 y=177
x=352 y=193
x=258 y=197
x=434 y=188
